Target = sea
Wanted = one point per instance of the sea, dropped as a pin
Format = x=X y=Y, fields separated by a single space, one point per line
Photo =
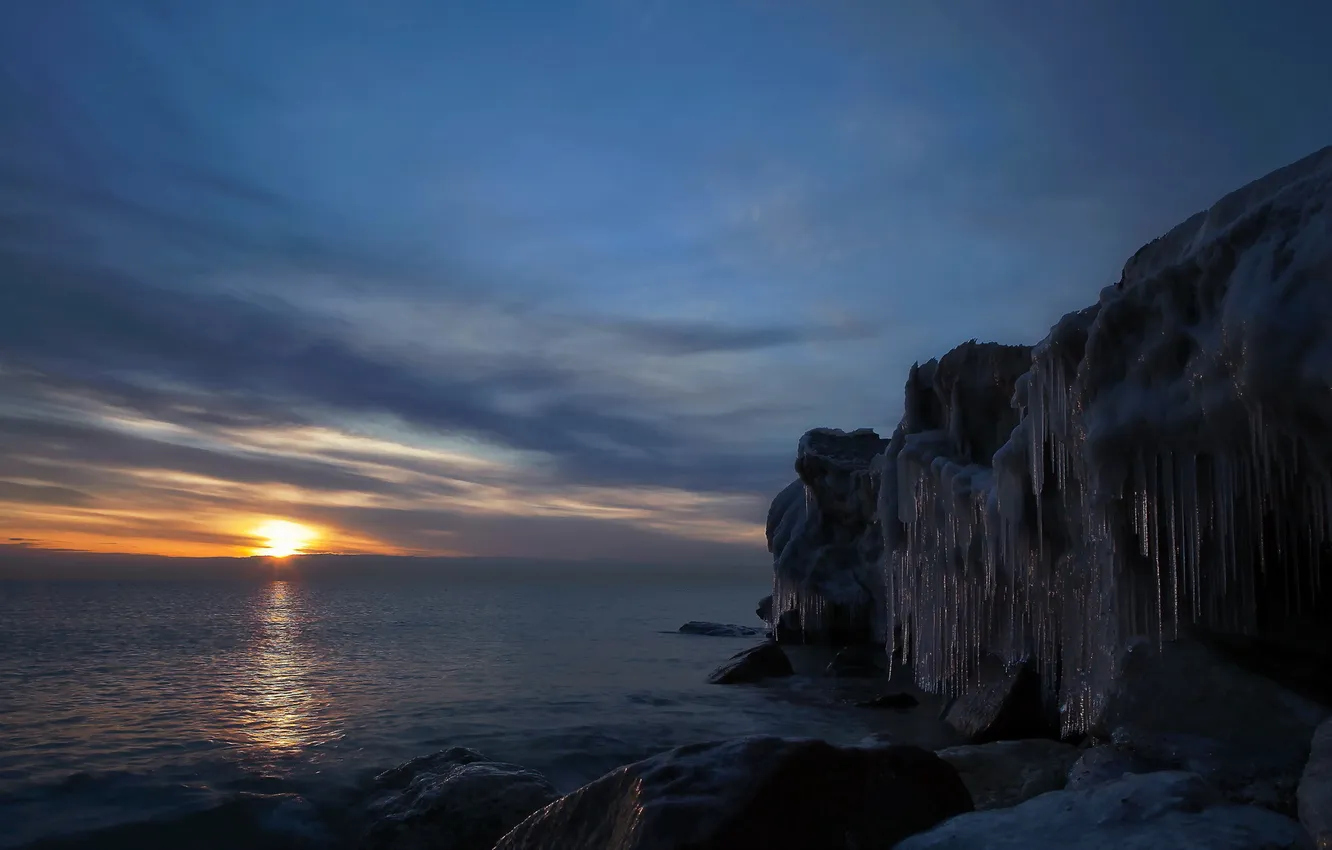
x=218 y=714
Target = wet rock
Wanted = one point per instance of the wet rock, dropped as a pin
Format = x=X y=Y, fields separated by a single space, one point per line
x=764 y=661
x=1161 y=811
x=1007 y=704
x=1184 y=706
x=858 y=662
x=1315 y=789
x=1005 y=773
x=752 y=794
x=698 y=627
x=452 y=800
x=898 y=701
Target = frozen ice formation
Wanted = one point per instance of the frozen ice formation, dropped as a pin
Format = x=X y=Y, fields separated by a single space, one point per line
x=824 y=538
x=1160 y=458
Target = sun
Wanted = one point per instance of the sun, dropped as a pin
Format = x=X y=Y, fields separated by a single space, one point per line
x=282 y=538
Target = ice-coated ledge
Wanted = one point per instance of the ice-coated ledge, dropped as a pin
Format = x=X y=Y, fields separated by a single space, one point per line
x=1161 y=458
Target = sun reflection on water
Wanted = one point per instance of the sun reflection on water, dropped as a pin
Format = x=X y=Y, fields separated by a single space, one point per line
x=281 y=708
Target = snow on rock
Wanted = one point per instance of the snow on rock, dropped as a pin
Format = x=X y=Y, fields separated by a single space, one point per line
x=1166 y=460
x=1107 y=763
x=1315 y=791
x=825 y=543
x=1164 y=811
x=752 y=794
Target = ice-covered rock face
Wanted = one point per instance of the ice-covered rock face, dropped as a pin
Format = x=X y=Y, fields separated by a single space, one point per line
x=825 y=541
x=1168 y=459
x=936 y=508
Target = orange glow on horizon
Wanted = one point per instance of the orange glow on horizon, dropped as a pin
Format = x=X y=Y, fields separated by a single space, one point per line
x=157 y=510
x=283 y=538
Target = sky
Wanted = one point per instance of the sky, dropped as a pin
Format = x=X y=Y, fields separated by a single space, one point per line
x=561 y=280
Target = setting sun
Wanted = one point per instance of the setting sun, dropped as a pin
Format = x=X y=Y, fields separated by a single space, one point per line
x=282 y=538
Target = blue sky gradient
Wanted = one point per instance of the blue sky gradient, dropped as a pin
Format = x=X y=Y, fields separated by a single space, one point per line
x=562 y=279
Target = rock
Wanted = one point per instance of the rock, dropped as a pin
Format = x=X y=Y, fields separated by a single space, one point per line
x=858 y=662
x=764 y=661
x=898 y=701
x=1158 y=460
x=452 y=800
x=697 y=627
x=1186 y=707
x=1008 y=704
x=1161 y=811
x=825 y=543
x=752 y=794
x=764 y=609
x=1315 y=790
x=1099 y=765
x=1005 y=773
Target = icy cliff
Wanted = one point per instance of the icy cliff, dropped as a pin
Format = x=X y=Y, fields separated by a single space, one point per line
x=1162 y=457
x=824 y=538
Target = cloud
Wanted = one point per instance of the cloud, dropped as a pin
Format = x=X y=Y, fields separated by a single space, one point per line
x=295 y=269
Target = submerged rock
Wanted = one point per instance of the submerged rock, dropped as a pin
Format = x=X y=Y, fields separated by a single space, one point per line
x=765 y=661
x=1005 y=773
x=1315 y=791
x=453 y=800
x=698 y=627
x=1161 y=811
x=1008 y=704
x=752 y=794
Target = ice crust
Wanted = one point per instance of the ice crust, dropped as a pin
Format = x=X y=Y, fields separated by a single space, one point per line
x=1140 y=468
x=823 y=534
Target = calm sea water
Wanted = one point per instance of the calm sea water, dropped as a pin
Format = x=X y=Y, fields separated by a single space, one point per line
x=128 y=705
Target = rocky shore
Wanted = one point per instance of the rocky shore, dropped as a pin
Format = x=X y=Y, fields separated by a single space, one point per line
x=1108 y=552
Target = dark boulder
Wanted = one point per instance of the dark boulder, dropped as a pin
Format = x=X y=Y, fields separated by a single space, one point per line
x=1005 y=773
x=765 y=661
x=1185 y=706
x=452 y=800
x=753 y=794
x=1007 y=705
